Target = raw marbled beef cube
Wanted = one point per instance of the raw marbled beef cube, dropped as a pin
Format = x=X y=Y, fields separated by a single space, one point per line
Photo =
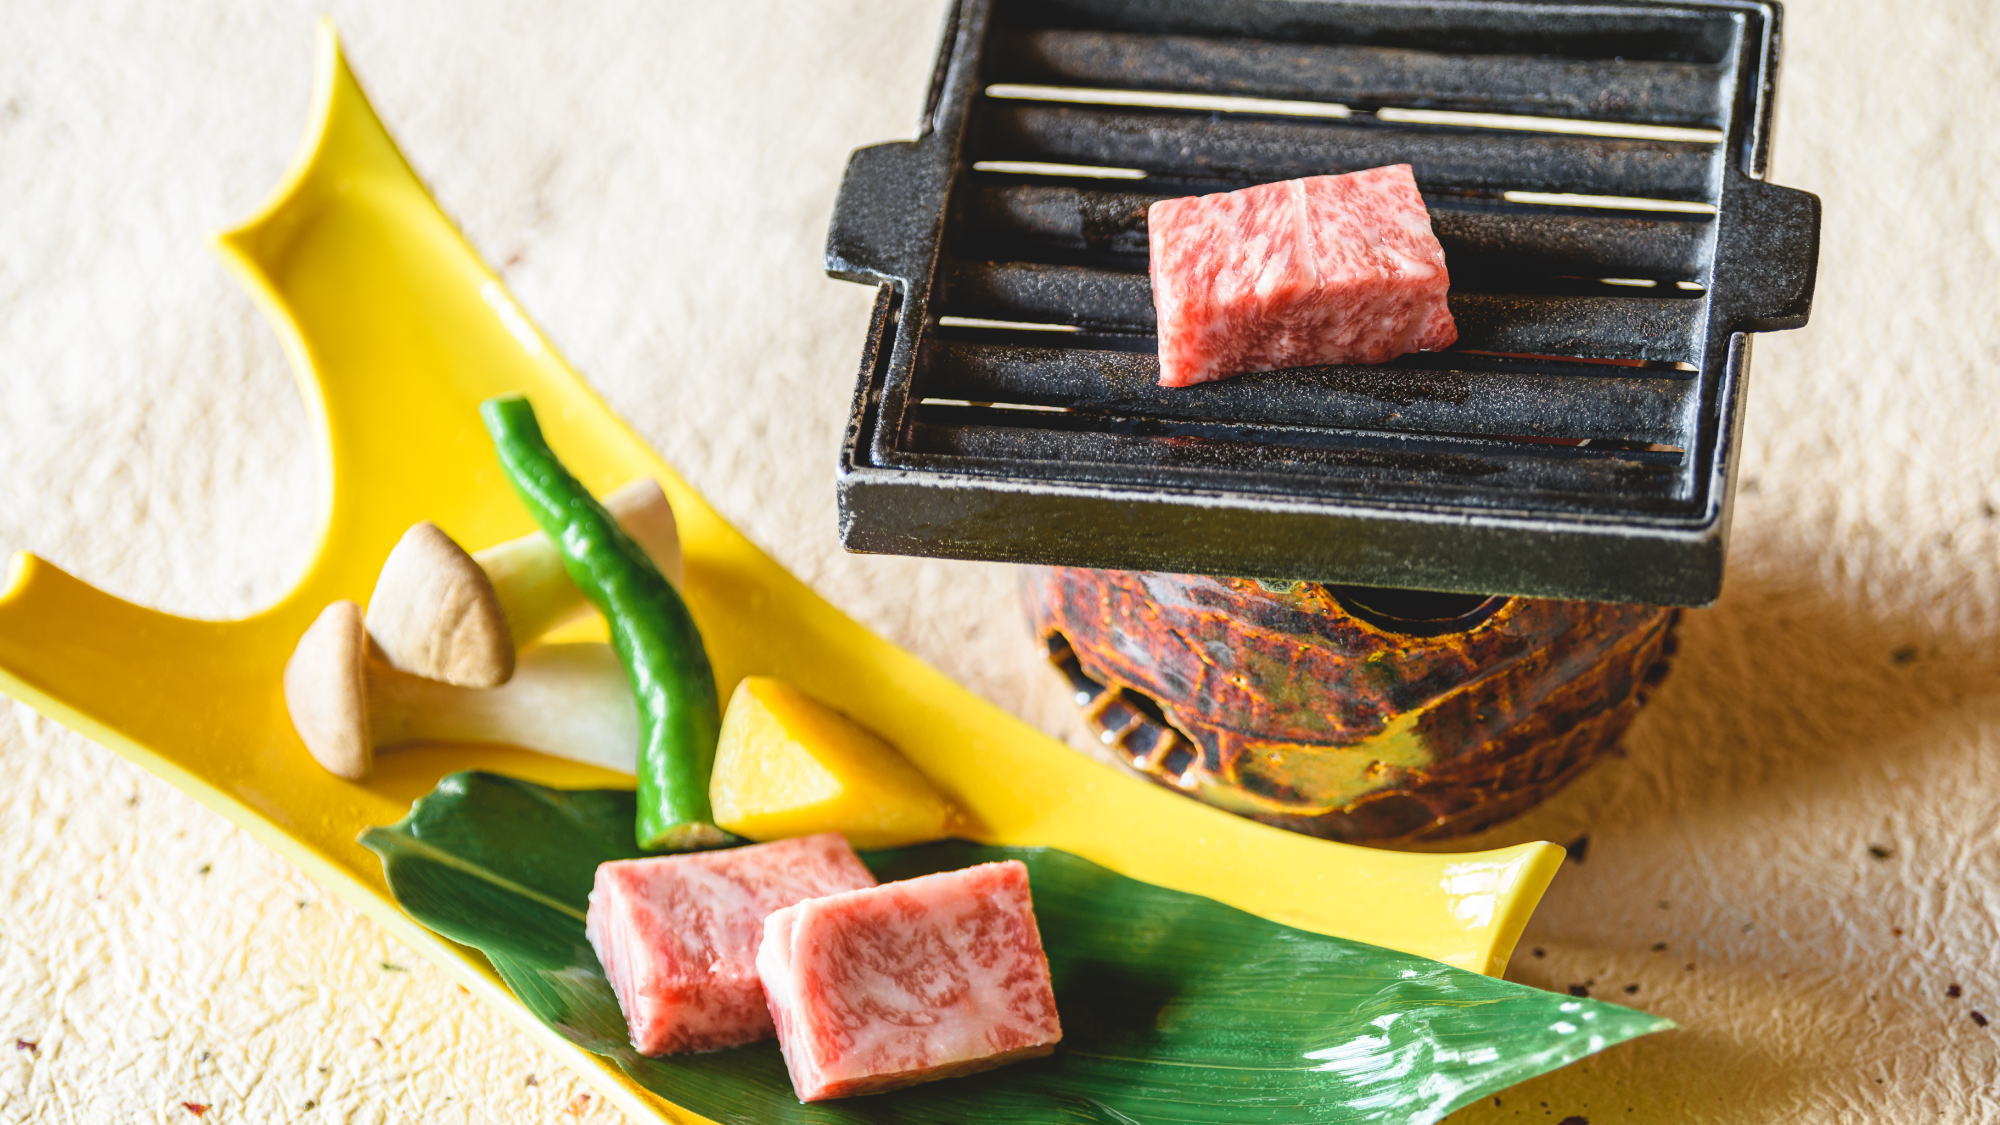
x=1327 y=269
x=678 y=934
x=906 y=982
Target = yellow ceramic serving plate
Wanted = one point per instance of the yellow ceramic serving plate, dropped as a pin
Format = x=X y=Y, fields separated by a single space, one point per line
x=398 y=330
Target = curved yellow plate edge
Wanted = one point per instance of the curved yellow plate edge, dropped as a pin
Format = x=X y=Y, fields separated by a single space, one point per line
x=396 y=329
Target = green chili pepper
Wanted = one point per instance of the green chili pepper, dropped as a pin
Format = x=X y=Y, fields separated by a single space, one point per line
x=651 y=630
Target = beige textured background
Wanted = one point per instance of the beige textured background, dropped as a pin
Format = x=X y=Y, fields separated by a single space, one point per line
x=654 y=180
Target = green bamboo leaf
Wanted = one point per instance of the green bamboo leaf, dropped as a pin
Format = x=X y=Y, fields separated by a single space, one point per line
x=1175 y=1009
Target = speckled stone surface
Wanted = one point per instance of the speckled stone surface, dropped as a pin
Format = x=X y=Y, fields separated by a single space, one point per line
x=1803 y=821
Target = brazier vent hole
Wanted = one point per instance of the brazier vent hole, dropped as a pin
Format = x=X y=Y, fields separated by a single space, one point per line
x=1423 y=613
x=1150 y=717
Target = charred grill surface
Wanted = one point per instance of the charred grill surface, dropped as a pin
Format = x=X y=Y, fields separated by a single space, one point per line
x=1595 y=173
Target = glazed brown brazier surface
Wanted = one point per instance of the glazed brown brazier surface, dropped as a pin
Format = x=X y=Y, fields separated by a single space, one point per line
x=1346 y=713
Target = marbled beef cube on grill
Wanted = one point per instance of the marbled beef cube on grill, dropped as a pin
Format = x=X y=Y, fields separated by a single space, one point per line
x=1322 y=270
x=678 y=934
x=907 y=982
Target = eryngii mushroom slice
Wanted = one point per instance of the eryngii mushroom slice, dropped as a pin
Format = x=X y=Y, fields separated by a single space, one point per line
x=436 y=612
x=347 y=704
x=528 y=574
x=446 y=615
x=326 y=692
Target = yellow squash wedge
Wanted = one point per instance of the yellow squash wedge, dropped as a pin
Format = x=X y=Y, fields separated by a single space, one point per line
x=789 y=765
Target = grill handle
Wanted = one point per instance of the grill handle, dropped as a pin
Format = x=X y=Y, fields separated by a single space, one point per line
x=877 y=234
x=1767 y=254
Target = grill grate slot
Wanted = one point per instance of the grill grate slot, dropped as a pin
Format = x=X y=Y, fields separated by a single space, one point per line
x=1581 y=402
x=1618 y=30
x=1661 y=329
x=1001 y=219
x=1594 y=171
x=1257 y=149
x=1650 y=92
x=1072 y=447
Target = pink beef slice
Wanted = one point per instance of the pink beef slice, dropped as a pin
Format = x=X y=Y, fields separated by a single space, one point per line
x=678 y=935
x=907 y=982
x=1323 y=270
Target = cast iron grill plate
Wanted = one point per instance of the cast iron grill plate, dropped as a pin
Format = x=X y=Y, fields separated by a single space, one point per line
x=1611 y=241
